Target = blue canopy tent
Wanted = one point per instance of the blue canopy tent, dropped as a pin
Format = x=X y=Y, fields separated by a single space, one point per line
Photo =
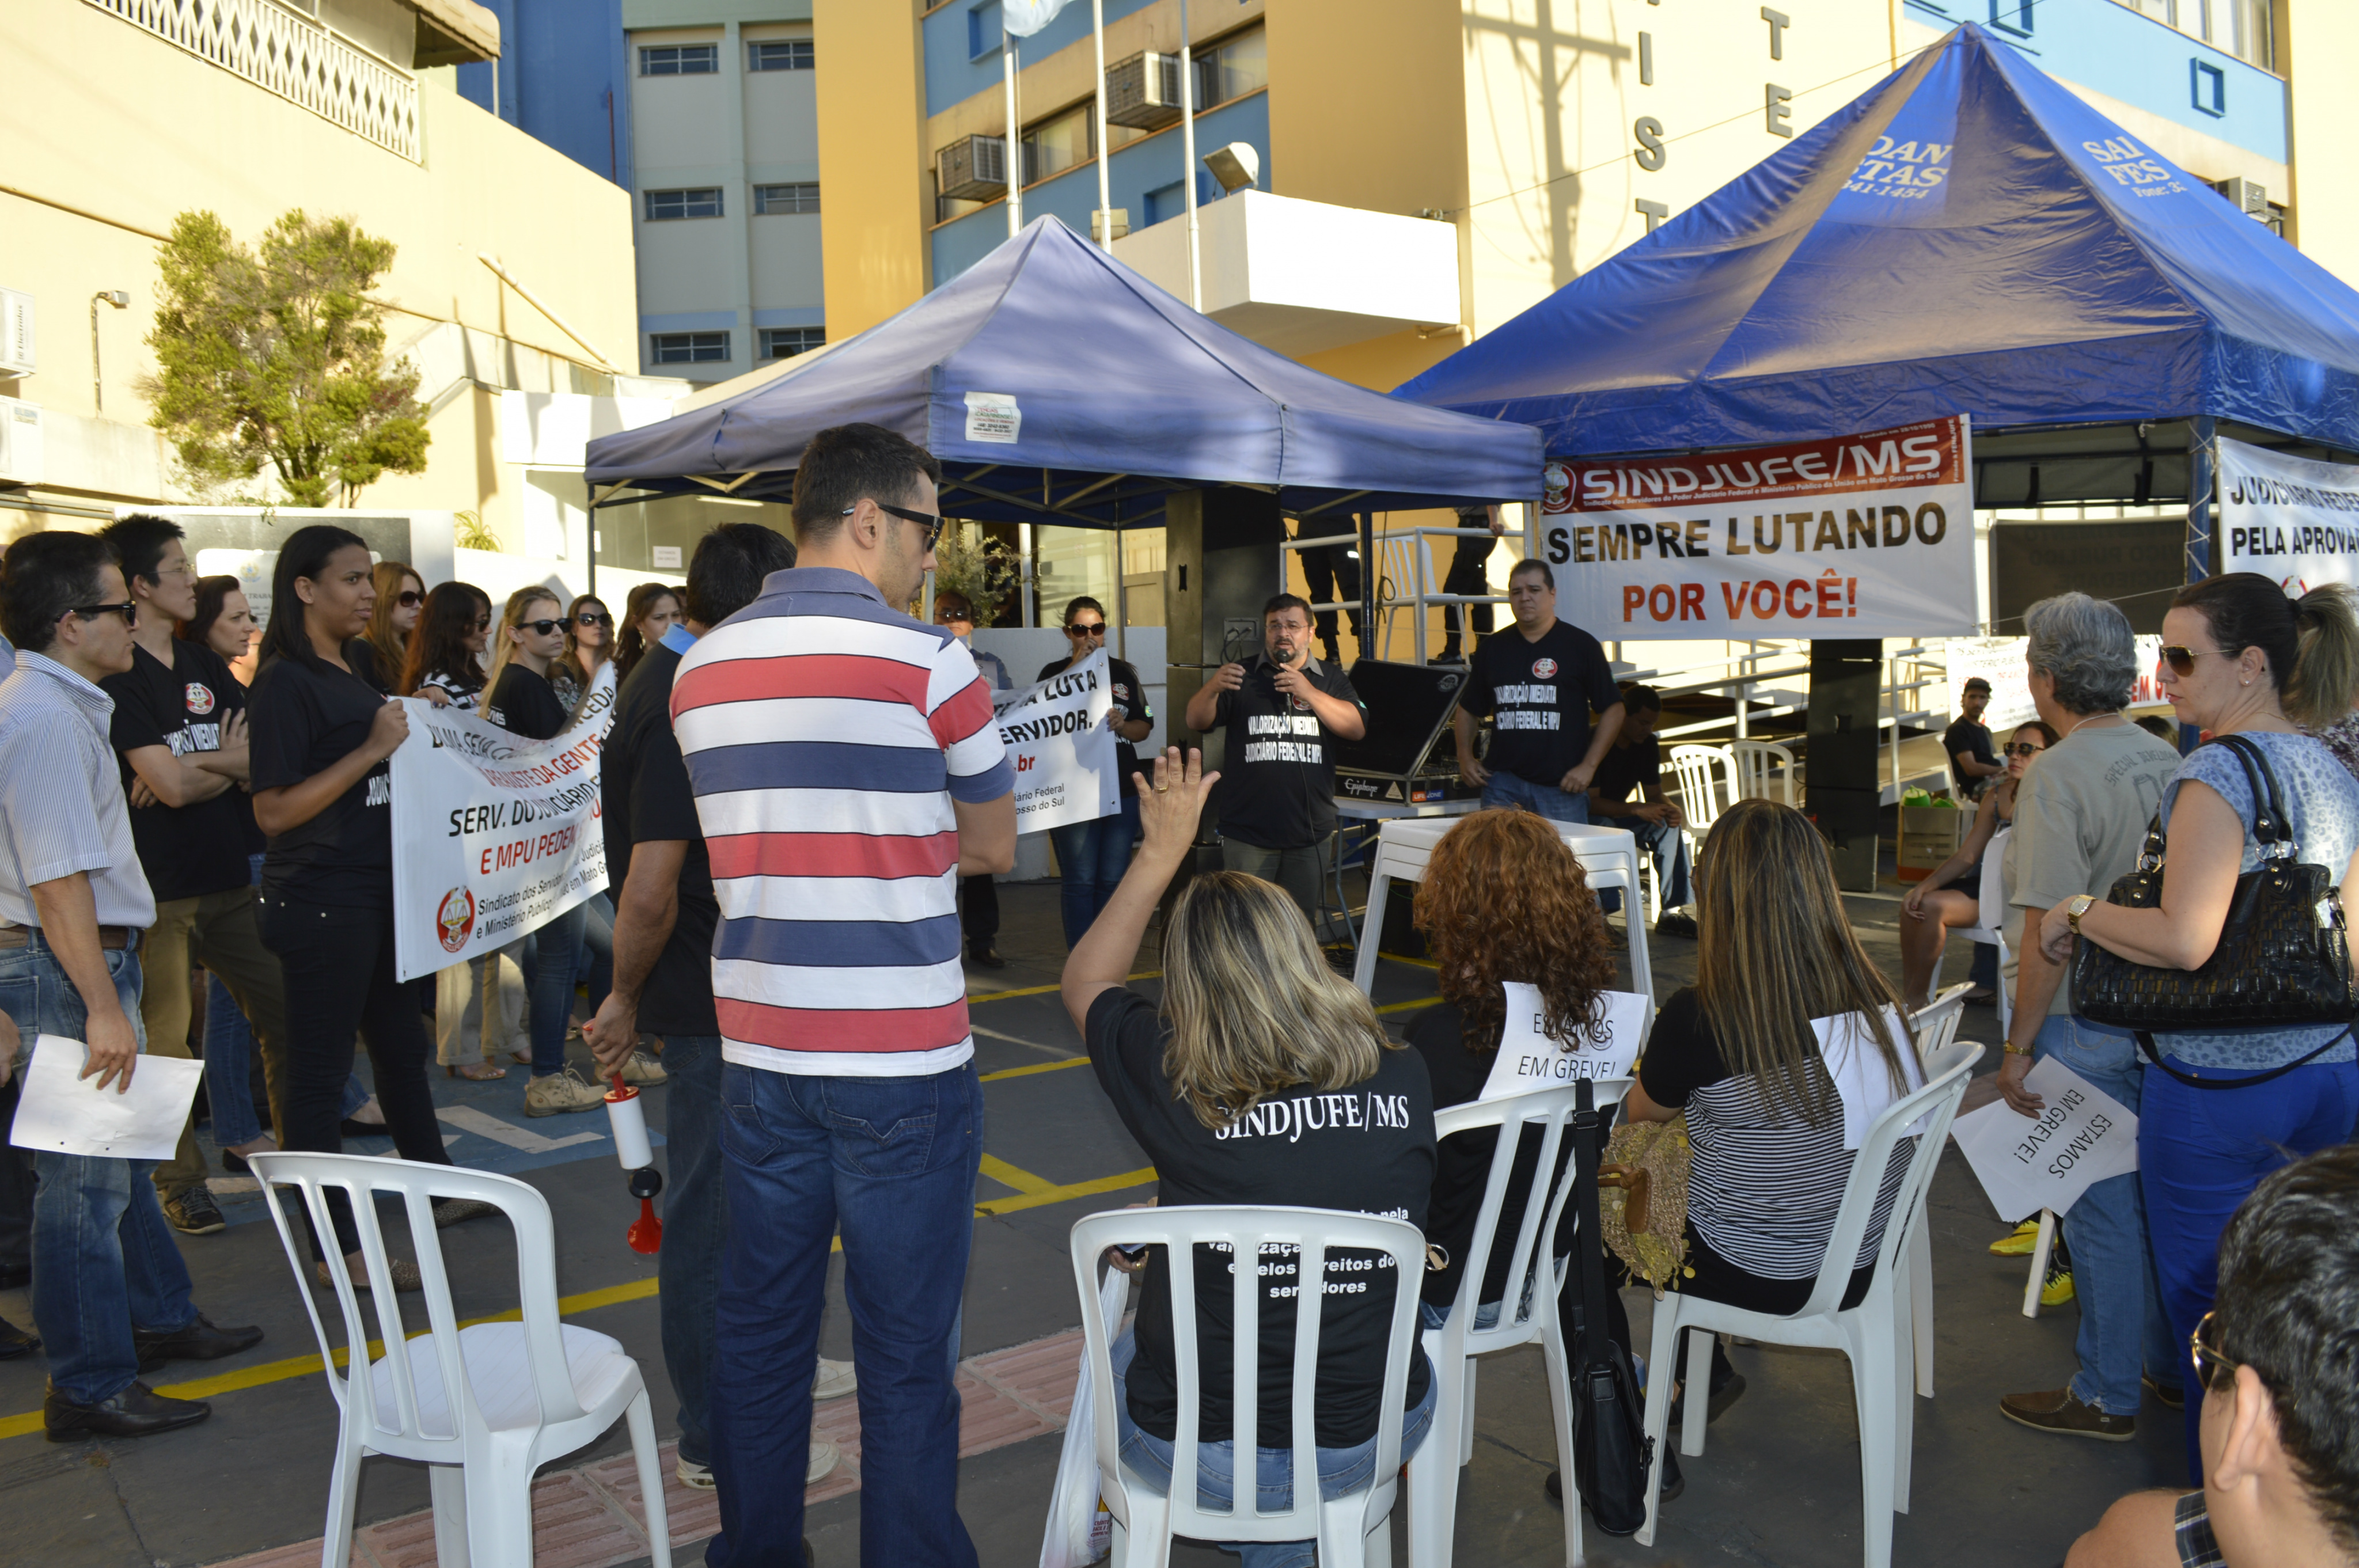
x=1119 y=394
x=1967 y=236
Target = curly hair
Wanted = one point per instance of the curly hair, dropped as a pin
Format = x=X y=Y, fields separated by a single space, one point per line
x=1504 y=899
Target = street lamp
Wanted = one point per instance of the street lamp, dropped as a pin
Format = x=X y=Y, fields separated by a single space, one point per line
x=121 y=299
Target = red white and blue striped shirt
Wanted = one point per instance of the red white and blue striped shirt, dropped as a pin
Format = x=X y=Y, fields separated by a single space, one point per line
x=826 y=734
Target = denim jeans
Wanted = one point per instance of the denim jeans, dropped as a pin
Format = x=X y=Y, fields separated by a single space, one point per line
x=557 y=948
x=104 y=1262
x=1668 y=848
x=594 y=963
x=229 y=1060
x=2200 y=1154
x=1556 y=804
x=2122 y=1330
x=1307 y=874
x=1339 y=1469
x=696 y=1224
x=891 y=1163
x=1091 y=860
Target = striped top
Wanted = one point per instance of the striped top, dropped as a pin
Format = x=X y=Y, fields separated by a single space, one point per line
x=826 y=735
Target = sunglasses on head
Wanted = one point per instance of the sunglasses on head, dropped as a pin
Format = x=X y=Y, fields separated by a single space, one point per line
x=128 y=610
x=542 y=627
x=2025 y=749
x=409 y=596
x=2182 y=660
x=587 y=618
x=926 y=520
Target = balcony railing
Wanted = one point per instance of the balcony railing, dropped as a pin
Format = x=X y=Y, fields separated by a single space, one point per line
x=290 y=54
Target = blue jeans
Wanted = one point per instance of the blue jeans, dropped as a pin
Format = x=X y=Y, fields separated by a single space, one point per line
x=1668 y=847
x=1556 y=804
x=1091 y=860
x=696 y=1224
x=2200 y=1154
x=593 y=962
x=891 y=1163
x=229 y=1060
x=104 y=1258
x=2122 y=1330
x=557 y=946
x=1339 y=1469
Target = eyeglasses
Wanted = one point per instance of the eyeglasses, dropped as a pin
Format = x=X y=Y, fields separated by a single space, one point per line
x=128 y=610
x=410 y=598
x=2025 y=749
x=2182 y=660
x=1086 y=629
x=587 y=619
x=926 y=520
x=2203 y=1352
x=542 y=627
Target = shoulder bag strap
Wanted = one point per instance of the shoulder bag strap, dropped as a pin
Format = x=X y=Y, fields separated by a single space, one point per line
x=2270 y=825
x=1586 y=1147
x=2146 y=1044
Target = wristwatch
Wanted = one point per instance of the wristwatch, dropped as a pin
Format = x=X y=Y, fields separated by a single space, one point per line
x=2077 y=907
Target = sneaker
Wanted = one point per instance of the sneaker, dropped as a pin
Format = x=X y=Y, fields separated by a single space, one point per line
x=1674 y=923
x=561 y=1092
x=193 y=1212
x=835 y=1380
x=643 y=1069
x=2018 y=1242
x=824 y=1457
x=2058 y=1411
x=692 y=1474
x=2173 y=1395
x=2058 y=1288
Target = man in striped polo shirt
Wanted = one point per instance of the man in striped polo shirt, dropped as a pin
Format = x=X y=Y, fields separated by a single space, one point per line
x=848 y=770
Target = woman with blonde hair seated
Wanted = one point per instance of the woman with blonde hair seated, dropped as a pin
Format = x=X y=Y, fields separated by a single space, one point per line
x=1737 y=1051
x=1234 y=1086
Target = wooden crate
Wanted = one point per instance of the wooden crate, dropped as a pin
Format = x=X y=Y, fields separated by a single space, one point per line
x=1929 y=836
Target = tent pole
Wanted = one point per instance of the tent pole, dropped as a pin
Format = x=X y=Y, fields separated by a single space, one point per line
x=1368 y=532
x=589 y=519
x=1105 y=197
x=1188 y=157
x=2202 y=552
x=1015 y=137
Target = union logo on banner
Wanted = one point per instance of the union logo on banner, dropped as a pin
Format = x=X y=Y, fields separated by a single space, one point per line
x=455 y=918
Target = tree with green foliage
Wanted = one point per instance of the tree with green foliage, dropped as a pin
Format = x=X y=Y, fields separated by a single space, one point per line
x=276 y=355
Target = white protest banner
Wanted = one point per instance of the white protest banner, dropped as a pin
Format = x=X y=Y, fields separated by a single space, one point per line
x=1058 y=745
x=2000 y=661
x=2287 y=518
x=1529 y=1059
x=1869 y=536
x=2028 y=1164
x=492 y=834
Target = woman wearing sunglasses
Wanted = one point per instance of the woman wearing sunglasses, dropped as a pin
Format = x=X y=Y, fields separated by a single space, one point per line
x=1950 y=896
x=400 y=596
x=2239 y=658
x=1092 y=855
x=589 y=645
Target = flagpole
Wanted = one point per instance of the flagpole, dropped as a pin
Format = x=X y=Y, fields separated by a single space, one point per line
x=1014 y=144
x=1105 y=198
x=1188 y=156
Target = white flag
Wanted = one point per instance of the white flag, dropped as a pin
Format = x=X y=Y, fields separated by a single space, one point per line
x=1026 y=18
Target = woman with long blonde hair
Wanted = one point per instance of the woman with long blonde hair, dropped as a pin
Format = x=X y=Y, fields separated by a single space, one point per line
x=1264 y=1077
x=1738 y=1052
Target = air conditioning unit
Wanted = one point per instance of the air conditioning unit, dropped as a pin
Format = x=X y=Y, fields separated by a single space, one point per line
x=2245 y=197
x=1143 y=92
x=20 y=442
x=973 y=169
x=15 y=333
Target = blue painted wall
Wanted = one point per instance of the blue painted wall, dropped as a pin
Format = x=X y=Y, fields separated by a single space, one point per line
x=962 y=43
x=1131 y=173
x=563 y=80
x=2112 y=50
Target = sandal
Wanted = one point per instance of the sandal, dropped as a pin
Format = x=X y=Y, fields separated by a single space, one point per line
x=476 y=1072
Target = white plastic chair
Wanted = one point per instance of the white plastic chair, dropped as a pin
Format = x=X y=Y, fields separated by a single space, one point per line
x=1936 y=1027
x=1449 y=1445
x=528 y=1393
x=1872 y=1334
x=1354 y=1529
x=1765 y=771
x=1708 y=784
x=1990 y=904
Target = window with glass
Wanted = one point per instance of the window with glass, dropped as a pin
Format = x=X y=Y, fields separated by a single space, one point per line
x=778 y=54
x=1059 y=142
x=1234 y=67
x=702 y=202
x=785 y=342
x=771 y=199
x=680 y=60
x=688 y=348
x=2241 y=28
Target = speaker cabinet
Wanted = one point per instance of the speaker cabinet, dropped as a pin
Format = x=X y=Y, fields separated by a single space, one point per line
x=1846 y=685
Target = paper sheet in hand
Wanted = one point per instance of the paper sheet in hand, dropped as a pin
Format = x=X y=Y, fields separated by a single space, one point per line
x=59 y=1113
x=1862 y=1080
x=2027 y=1164
x=1530 y=1060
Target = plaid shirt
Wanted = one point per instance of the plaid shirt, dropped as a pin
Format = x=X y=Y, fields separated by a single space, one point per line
x=2192 y=1527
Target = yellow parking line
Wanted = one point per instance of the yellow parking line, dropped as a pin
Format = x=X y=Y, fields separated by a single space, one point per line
x=1044 y=990
x=1035 y=1067
x=1405 y=1006
x=1008 y=1175
x=1048 y=1195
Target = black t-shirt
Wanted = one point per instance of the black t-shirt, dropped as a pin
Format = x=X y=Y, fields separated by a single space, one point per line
x=1463 y=1164
x=1278 y=772
x=186 y=851
x=1129 y=699
x=525 y=704
x=1627 y=766
x=300 y=720
x=645 y=791
x=1539 y=696
x=1972 y=738
x=1367 y=1149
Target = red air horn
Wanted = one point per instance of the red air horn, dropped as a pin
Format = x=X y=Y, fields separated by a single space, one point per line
x=629 y=1121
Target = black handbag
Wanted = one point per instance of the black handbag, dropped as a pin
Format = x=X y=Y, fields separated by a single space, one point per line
x=2283 y=957
x=1610 y=1450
